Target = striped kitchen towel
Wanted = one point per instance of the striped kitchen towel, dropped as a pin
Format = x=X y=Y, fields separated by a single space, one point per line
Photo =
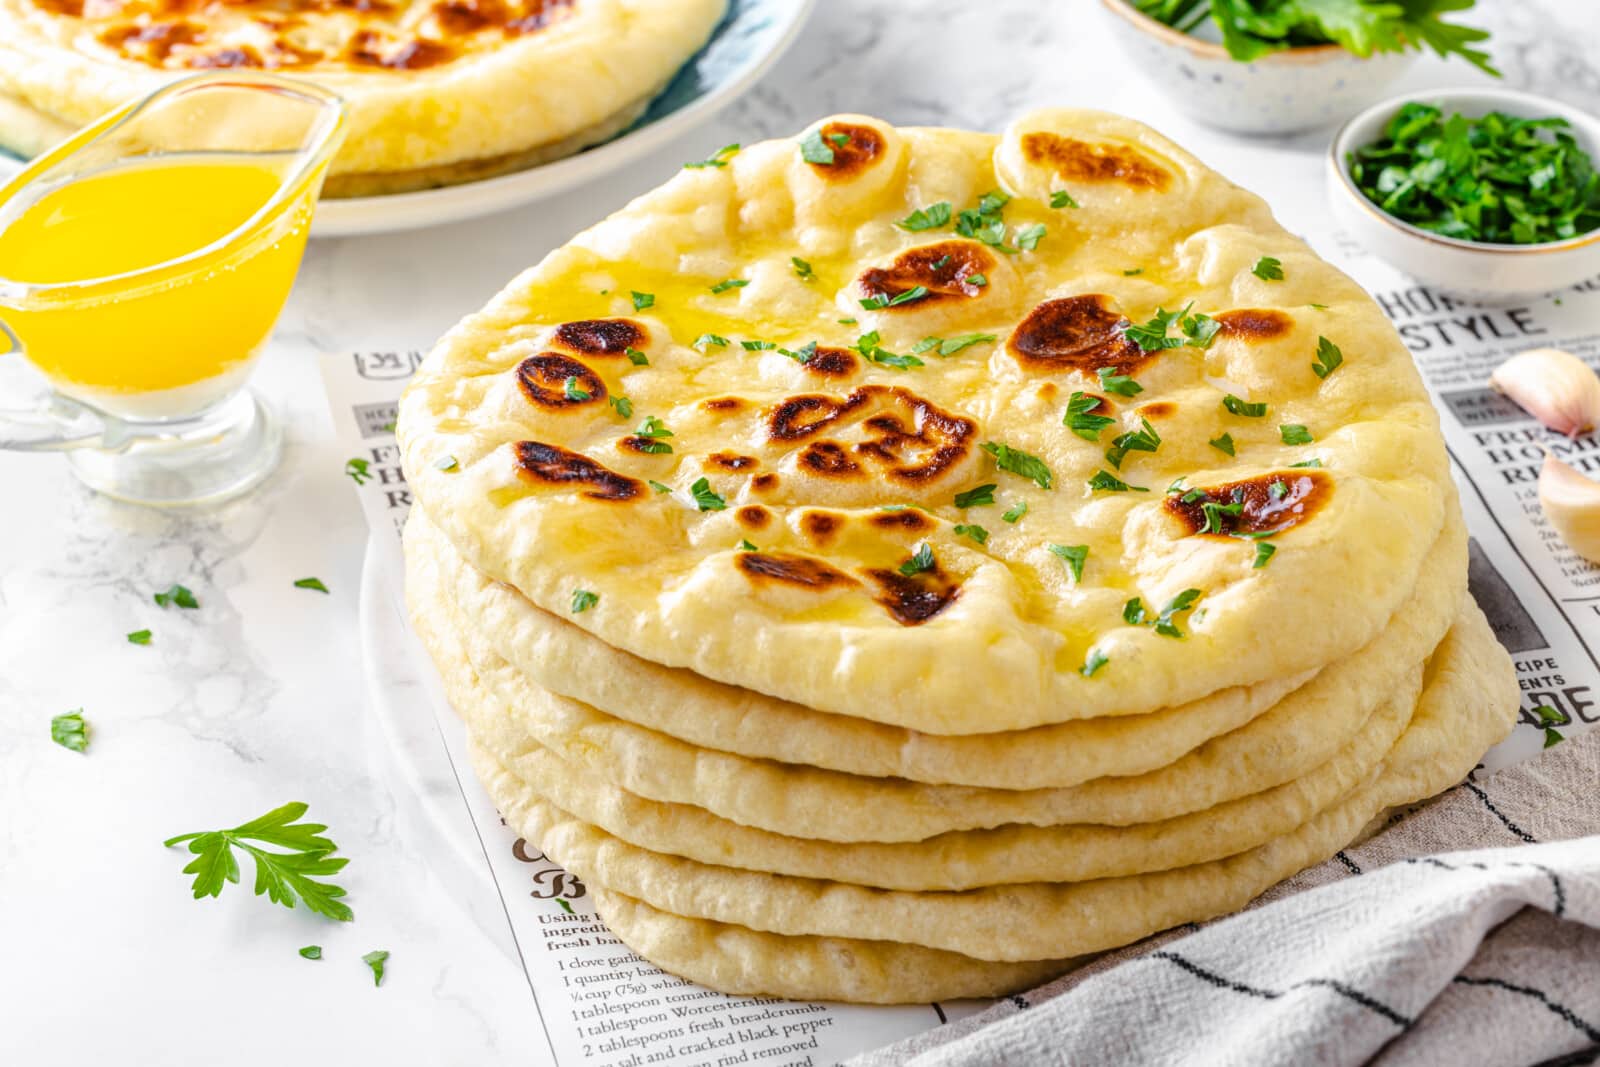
x=1404 y=950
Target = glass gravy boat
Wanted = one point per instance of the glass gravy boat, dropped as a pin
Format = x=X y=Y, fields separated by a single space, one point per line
x=143 y=264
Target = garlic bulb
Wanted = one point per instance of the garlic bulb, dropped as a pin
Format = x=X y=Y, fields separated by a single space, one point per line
x=1571 y=502
x=1555 y=387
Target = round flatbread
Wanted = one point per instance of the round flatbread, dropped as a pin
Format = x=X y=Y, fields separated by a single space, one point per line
x=1469 y=702
x=703 y=413
x=439 y=91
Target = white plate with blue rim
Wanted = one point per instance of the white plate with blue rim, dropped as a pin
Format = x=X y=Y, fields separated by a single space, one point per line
x=750 y=38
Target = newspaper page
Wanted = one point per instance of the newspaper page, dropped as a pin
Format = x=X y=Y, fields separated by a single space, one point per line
x=600 y=1005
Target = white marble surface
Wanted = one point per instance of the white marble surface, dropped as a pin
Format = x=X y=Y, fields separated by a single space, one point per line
x=256 y=699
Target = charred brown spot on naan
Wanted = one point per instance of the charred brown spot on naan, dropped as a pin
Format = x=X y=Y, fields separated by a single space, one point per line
x=754 y=516
x=799 y=417
x=642 y=446
x=369 y=48
x=764 y=483
x=908 y=519
x=914 y=600
x=544 y=378
x=1263 y=509
x=731 y=461
x=1080 y=161
x=804 y=571
x=832 y=363
x=1156 y=409
x=820 y=527
x=602 y=337
x=1255 y=324
x=945 y=270
x=860 y=149
x=553 y=465
x=721 y=405
x=829 y=458
x=152 y=42
x=907 y=437
x=1076 y=333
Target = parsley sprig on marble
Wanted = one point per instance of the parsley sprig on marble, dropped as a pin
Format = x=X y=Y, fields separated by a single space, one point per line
x=290 y=857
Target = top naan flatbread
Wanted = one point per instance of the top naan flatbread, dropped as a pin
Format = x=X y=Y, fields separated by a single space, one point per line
x=728 y=362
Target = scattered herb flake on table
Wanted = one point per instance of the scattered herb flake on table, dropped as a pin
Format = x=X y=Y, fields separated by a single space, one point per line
x=283 y=876
x=311 y=583
x=139 y=637
x=70 y=731
x=178 y=595
x=376 y=959
x=312 y=952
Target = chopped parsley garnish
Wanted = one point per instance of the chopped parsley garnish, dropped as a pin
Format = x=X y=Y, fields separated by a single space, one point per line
x=283 y=876
x=839 y=139
x=1328 y=358
x=1118 y=384
x=978 y=497
x=1243 y=408
x=719 y=158
x=949 y=346
x=928 y=218
x=311 y=952
x=445 y=463
x=1214 y=511
x=573 y=390
x=1295 y=434
x=1268 y=269
x=658 y=487
x=358 y=470
x=1277 y=490
x=746 y=546
x=704 y=498
x=1015 y=511
x=1134 y=273
x=1028 y=237
x=846 y=322
x=1093 y=662
x=986 y=223
x=70 y=731
x=916 y=292
x=867 y=345
x=977 y=533
x=139 y=637
x=1198 y=330
x=939 y=264
x=583 y=600
x=310 y=583
x=1264 y=551
x=1016 y=461
x=813 y=149
x=1073 y=556
x=1105 y=481
x=1144 y=439
x=703 y=342
x=1308 y=463
x=652 y=427
x=977 y=281
x=802 y=355
x=1318 y=307
x=1134 y=613
x=642 y=300
x=376 y=959
x=1223 y=444
x=178 y=595
x=757 y=346
x=1062 y=198
x=1549 y=719
x=622 y=405
x=802 y=269
x=652 y=448
x=730 y=283
x=921 y=560
x=1080 y=418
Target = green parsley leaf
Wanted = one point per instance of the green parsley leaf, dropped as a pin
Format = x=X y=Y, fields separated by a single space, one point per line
x=283 y=876
x=1134 y=273
x=1028 y=237
x=706 y=340
x=178 y=595
x=573 y=390
x=1243 y=408
x=867 y=345
x=1118 y=384
x=978 y=497
x=846 y=322
x=951 y=345
x=1328 y=358
x=719 y=158
x=977 y=281
x=802 y=269
x=1184 y=601
x=916 y=292
x=622 y=405
x=813 y=149
x=445 y=463
x=802 y=355
x=1277 y=490
x=1093 y=662
x=1268 y=269
x=704 y=498
x=1549 y=719
x=921 y=560
x=358 y=470
x=746 y=546
x=1223 y=444
x=1295 y=434
x=1308 y=463
x=583 y=600
x=730 y=283
x=1144 y=439
x=1215 y=511
x=376 y=960
x=1080 y=418
x=839 y=139
x=311 y=583
x=139 y=637
x=1015 y=511
x=641 y=301
x=651 y=448
x=1264 y=551
x=929 y=218
x=757 y=346
x=1318 y=307
x=639 y=359
x=658 y=487
x=1018 y=462
x=70 y=731
x=312 y=952
x=1152 y=336
x=1105 y=481
x=1062 y=198
x=977 y=533
x=1200 y=330
x=653 y=427
x=1073 y=556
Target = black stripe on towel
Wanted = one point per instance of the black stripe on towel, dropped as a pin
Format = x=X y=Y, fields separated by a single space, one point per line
x=1353 y=995
x=1560 y=1010
x=1507 y=823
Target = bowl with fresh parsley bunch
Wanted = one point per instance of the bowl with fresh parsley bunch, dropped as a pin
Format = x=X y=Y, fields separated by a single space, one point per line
x=1282 y=66
x=1488 y=193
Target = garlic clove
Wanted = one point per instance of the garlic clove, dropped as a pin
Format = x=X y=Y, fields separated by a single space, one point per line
x=1555 y=387
x=1571 y=502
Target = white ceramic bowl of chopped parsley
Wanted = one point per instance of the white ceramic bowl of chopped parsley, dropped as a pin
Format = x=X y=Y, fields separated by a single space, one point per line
x=1489 y=193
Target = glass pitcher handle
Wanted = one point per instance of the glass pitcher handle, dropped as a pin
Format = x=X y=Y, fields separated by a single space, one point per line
x=54 y=424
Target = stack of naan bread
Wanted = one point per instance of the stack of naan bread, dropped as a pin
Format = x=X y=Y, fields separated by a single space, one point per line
x=849 y=568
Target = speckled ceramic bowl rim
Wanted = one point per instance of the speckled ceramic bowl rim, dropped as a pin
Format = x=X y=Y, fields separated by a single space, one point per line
x=1446 y=98
x=1306 y=54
